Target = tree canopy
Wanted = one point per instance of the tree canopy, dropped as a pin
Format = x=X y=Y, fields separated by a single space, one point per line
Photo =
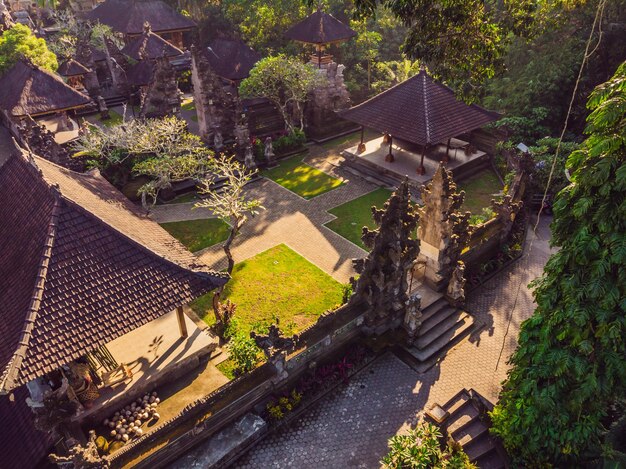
x=19 y=41
x=570 y=364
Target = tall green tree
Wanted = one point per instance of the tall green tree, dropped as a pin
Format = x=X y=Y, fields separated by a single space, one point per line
x=18 y=42
x=571 y=360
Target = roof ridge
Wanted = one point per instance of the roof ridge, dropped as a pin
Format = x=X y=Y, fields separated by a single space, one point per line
x=426 y=108
x=10 y=373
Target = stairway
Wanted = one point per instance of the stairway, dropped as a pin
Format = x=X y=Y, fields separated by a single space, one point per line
x=464 y=419
x=442 y=327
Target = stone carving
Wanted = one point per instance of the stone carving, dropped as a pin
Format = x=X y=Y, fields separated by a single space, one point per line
x=249 y=160
x=269 y=152
x=82 y=457
x=455 y=294
x=382 y=287
x=443 y=231
x=218 y=140
x=161 y=98
x=506 y=210
x=274 y=343
x=6 y=22
x=330 y=95
x=412 y=316
x=216 y=105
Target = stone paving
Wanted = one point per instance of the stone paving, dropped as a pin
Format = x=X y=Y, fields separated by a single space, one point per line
x=350 y=427
x=288 y=219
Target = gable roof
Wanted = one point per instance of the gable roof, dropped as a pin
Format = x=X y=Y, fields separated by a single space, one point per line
x=82 y=265
x=72 y=68
x=419 y=110
x=320 y=28
x=26 y=89
x=153 y=46
x=129 y=16
x=231 y=58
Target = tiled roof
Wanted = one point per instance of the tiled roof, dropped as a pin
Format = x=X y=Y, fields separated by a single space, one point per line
x=419 y=110
x=232 y=58
x=153 y=45
x=26 y=89
x=83 y=267
x=129 y=16
x=320 y=28
x=140 y=73
x=71 y=68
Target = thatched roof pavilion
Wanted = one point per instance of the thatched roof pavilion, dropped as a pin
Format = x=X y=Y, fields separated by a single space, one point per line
x=232 y=59
x=26 y=89
x=150 y=46
x=420 y=111
x=72 y=68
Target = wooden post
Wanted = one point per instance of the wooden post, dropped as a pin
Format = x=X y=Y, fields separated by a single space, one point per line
x=182 y=326
x=447 y=158
x=390 y=157
x=421 y=170
x=361 y=147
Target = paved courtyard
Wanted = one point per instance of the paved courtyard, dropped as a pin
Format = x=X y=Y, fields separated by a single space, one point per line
x=288 y=219
x=350 y=427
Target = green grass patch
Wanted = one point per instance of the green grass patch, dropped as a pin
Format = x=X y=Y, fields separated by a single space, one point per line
x=115 y=118
x=188 y=105
x=354 y=215
x=304 y=180
x=277 y=284
x=198 y=234
x=227 y=368
x=182 y=199
x=479 y=190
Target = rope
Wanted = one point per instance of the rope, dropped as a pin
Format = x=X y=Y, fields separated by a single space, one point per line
x=597 y=21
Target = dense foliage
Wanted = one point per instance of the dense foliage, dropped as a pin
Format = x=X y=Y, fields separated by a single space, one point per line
x=18 y=42
x=571 y=360
x=421 y=449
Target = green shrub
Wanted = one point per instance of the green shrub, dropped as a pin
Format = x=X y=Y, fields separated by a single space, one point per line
x=244 y=352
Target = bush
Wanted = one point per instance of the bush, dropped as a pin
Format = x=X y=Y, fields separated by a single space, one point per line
x=244 y=352
x=486 y=215
x=543 y=154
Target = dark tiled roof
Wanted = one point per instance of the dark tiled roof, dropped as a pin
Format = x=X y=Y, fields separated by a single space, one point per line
x=232 y=58
x=320 y=28
x=140 y=73
x=21 y=444
x=83 y=267
x=71 y=68
x=420 y=111
x=27 y=89
x=129 y=16
x=153 y=45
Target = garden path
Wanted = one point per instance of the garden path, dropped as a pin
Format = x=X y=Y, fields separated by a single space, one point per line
x=288 y=219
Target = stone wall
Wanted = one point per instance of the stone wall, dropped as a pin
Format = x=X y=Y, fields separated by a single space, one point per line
x=161 y=97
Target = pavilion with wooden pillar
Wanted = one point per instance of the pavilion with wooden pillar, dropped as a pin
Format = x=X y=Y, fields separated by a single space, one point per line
x=421 y=116
x=320 y=29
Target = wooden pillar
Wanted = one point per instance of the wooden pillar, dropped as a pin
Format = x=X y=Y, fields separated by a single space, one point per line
x=361 y=147
x=447 y=158
x=182 y=326
x=389 y=156
x=421 y=170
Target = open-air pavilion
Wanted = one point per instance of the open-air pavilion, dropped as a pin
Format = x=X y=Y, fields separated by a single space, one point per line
x=423 y=123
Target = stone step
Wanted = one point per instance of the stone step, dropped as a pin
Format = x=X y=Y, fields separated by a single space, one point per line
x=471 y=432
x=490 y=460
x=436 y=318
x=480 y=448
x=433 y=308
x=456 y=402
x=462 y=418
x=428 y=356
x=443 y=328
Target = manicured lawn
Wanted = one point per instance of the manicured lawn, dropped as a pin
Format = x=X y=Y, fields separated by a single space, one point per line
x=198 y=234
x=354 y=215
x=298 y=177
x=277 y=284
x=479 y=190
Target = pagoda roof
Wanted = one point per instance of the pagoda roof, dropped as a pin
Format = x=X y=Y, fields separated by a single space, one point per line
x=419 y=110
x=152 y=45
x=320 y=28
x=231 y=58
x=81 y=265
x=129 y=16
x=26 y=89
x=72 y=68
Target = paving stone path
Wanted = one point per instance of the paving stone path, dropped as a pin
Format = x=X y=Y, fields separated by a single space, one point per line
x=351 y=426
x=288 y=219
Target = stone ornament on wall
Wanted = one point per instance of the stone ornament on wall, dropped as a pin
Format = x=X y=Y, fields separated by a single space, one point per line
x=455 y=293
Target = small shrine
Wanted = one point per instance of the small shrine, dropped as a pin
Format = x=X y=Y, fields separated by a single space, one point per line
x=74 y=72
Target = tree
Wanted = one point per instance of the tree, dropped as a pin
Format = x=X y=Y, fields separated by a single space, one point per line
x=420 y=449
x=18 y=42
x=570 y=364
x=286 y=82
x=229 y=204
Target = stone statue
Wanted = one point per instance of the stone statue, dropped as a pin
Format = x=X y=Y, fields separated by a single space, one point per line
x=506 y=210
x=218 y=141
x=269 y=151
x=412 y=317
x=6 y=22
x=80 y=457
x=455 y=294
x=249 y=161
x=273 y=343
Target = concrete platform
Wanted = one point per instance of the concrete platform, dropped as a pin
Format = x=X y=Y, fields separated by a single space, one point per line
x=406 y=162
x=155 y=353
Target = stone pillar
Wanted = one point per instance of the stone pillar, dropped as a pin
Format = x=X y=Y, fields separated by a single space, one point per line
x=330 y=95
x=443 y=230
x=162 y=97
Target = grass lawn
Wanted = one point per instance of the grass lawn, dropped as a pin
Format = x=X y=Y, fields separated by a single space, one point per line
x=354 y=215
x=298 y=177
x=188 y=105
x=198 y=234
x=277 y=284
x=181 y=199
x=115 y=119
x=479 y=190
